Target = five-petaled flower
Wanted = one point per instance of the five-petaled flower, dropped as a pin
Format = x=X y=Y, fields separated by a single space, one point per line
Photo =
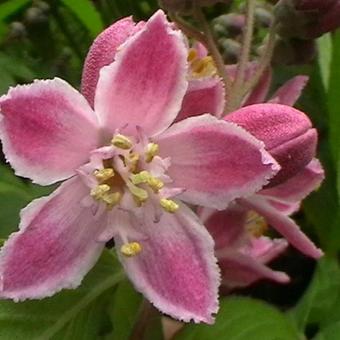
x=126 y=171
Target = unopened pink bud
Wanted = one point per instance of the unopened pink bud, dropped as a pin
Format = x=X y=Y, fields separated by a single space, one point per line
x=287 y=133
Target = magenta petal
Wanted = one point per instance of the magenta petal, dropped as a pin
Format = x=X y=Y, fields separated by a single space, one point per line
x=214 y=161
x=203 y=96
x=240 y=270
x=55 y=246
x=102 y=53
x=176 y=269
x=284 y=225
x=298 y=187
x=290 y=92
x=47 y=130
x=225 y=226
x=146 y=83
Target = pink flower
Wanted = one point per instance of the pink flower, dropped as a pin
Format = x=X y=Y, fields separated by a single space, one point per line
x=126 y=172
x=238 y=231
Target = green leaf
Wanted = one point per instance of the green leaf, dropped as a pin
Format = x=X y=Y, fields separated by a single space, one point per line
x=243 y=319
x=86 y=12
x=63 y=313
x=124 y=309
x=329 y=333
x=15 y=195
x=321 y=297
x=325 y=58
x=10 y=7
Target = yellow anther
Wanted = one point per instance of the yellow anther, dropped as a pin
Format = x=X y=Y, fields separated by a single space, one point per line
x=132 y=161
x=103 y=175
x=169 y=205
x=256 y=225
x=152 y=150
x=155 y=184
x=100 y=190
x=203 y=67
x=111 y=199
x=131 y=249
x=121 y=141
x=139 y=194
x=141 y=177
x=192 y=55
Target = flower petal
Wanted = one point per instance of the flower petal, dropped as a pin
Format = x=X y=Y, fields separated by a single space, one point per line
x=214 y=161
x=55 y=246
x=240 y=270
x=225 y=226
x=290 y=92
x=102 y=53
x=176 y=269
x=146 y=83
x=298 y=187
x=47 y=130
x=203 y=96
x=283 y=224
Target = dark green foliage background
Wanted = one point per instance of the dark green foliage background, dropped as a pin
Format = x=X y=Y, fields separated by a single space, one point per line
x=53 y=41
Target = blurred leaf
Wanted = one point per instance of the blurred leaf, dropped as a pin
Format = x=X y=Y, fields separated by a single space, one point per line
x=15 y=195
x=86 y=12
x=325 y=58
x=47 y=318
x=243 y=319
x=125 y=309
x=321 y=297
x=329 y=333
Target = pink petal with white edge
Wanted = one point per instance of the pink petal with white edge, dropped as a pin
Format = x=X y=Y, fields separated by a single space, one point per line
x=55 y=247
x=47 y=130
x=265 y=249
x=203 y=96
x=215 y=161
x=176 y=269
x=102 y=53
x=284 y=225
x=146 y=83
x=298 y=187
x=226 y=226
x=239 y=270
x=290 y=92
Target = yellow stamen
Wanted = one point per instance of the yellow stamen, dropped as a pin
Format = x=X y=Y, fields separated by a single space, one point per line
x=122 y=142
x=192 y=55
x=99 y=191
x=169 y=205
x=104 y=174
x=152 y=150
x=256 y=225
x=203 y=67
x=155 y=184
x=139 y=194
x=132 y=160
x=112 y=199
x=141 y=177
x=131 y=249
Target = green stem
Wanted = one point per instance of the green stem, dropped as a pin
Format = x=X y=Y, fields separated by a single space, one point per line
x=188 y=29
x=263 y=63
x=244 y=58
x=213 y=50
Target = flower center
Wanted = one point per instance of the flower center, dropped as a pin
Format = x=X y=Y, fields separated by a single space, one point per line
x=132 y=174
x=201 y=67
x=256 y=225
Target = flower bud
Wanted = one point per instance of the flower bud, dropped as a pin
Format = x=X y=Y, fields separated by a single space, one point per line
x=286 y=132
x=229 y=25
x=307 y=19
x=293 y=51
x=231 y=50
